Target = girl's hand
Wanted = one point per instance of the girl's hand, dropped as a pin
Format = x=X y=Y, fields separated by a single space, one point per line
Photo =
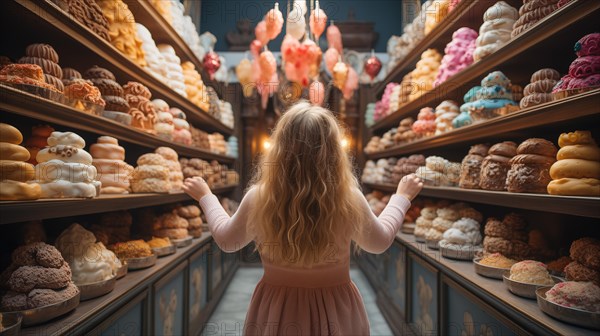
x=409 y=186
x=196 y=187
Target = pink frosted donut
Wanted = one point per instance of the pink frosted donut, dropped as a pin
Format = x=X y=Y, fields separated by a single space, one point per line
x=585 y=66
x=562 y=84
x=589 y=45
x=581 y=83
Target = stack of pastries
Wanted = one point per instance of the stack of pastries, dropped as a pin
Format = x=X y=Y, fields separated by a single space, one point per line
x=15 y=172
x=507 y=237
x=47 y=58
x=496 y=165
x=191 y=213
x=151 y=175
x=529 y=170
x=585 y=253
x=113 y=171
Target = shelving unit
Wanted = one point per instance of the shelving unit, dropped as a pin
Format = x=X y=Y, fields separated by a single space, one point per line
x=53 y=25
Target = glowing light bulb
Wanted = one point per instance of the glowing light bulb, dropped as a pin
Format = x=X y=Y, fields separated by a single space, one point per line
x=267 y=144
x=344 y=143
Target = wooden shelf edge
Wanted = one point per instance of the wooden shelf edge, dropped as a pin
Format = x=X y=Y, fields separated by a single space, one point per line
x=25 y=104
x=53 y=15
x=522 y=309
x=581 y=105
x=22 y=211
x=570 y=205
x=133 y=283
x=540 y=32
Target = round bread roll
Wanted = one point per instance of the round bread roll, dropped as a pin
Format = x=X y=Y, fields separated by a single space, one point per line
x=18 y=191
x=506 y=149
x=575 y=138
x=150 y=172
x=575 y=168
x=16 y=171
x=14 y=152
x=190 y=211
x=533 y=160
x=151 y=159
x=479 y=149
x=170 y=221
x=584 y=152
x=537 y=146
x=574 y=187
x=194 y=223
x=10 y=134
x=64 y=153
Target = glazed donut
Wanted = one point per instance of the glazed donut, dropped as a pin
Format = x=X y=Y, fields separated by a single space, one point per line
x=54 y=81
x=97 y=72
x=58 y=170
x=47 y=66
x=69 y=73
x=150 y=172
x=107 y=150
x=13 y=152
x=574 y=187
x=150 y=186
x=64 y=153
x=545 y=74
x=584 y=152
x=42 y=50
x=10 y=134
x=575 y=168
x=537 y=146
x=171 y=233
x=170 y=221
x=26 y=278
x=576 y=138
x=151 y=159
x=17 y=191
x=506 y=149
x=108 y=87
x=585 y=66
x=16 y=171
x=535 y=99
x=67 y=139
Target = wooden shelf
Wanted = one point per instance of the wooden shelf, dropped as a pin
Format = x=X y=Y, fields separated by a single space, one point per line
x=570 y=205
x=126 y=288
x=22 y=211
x=581 y=105
x=494 y=292
x=32 y=106
x=45 y=14
x=521 y=54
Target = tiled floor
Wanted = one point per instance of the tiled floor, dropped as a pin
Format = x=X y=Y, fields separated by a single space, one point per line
x=228 y=318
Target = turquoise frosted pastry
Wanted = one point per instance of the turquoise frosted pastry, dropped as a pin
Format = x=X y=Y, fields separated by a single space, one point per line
x=463 y=119
x=494 y=92
x=492 y=104
x=496 y=78
x=467 y=106
x=470 y=95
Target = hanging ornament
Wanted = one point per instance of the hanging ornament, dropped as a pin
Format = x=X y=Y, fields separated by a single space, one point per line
x=211 y=63
x=318 y=21
x=373 y=66
x=331 y=58
x=295 y=23
x=255 y=48
x=243 y=72
x=316 y=93
x=314 y=58
x=261 y=32
x=274 y=22
x=334 y=38
x=351 y=84
x=340 y=74
x=268 y=80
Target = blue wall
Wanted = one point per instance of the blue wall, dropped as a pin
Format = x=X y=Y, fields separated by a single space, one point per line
x=220 y=16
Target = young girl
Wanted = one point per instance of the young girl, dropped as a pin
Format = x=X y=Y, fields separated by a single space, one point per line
x=303 y=211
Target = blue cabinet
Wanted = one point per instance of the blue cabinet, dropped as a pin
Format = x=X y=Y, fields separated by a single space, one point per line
x=197 y=289
x=129 y=320
x=424 y=296
x=169 y=298
x=396 y=277
x=216 y=266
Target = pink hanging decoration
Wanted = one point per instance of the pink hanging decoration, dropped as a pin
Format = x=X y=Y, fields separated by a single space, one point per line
x=331 y=58
x=373 y=66
x=261 y=32
x=255 y=48
x=274 y=21
x=334 y=38
x=211 y=63
x=314 y=58
x=316 y=93
x=351 y=84
x=268 y=80
x=318 y=21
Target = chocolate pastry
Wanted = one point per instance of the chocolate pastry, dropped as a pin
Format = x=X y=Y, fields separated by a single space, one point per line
x=115 y=103
x=54 y=81
x=98 y=72
x=529 y=170
x=42 y=50
x=47 y=66
x=496 y=165
x=37 y=254
x=108 y=87
x=586 y=251
x=27 y=278
x=13 y=301
x=578 y=272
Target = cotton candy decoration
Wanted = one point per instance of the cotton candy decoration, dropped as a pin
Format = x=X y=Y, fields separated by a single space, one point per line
x=295 y=24
x=351 y=84
x=315 y=56
x=261 y=32
x=243 y=72
x=316 y=93
x=289 y=54
x=222 y=74
x=318 y=21
x=211 y=63
x=334 y=38
x=274 y=22
x=331 y=58
x=340 y=74
x=255 y=48
x=268 y=80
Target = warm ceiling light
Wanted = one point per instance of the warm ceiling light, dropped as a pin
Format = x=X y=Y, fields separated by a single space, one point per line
x=267 y=144
x=345 y=143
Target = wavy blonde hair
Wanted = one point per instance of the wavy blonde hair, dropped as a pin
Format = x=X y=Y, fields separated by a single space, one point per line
x=305 y=187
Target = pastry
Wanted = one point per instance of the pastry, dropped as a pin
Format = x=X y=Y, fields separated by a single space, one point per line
x=174 y=76
x=436 y=12
x=531 y=12
x=464 y=234
x=181 y=133
x=496 y=164
x=154 y=59
x=531 y=272
x=584 y=71
x=131 y=249
x=83 y=90
x=37 y=141
x=497 y=260
x=423 y=76
x=172 y=163
x=495 y=32
x=14 y=171
x=163 y=127
x=27 y=74
x=493 y=98
x=151 y=175
x=88 y=13
x=470 y=169
x=458 y=54
x=577 y=295
x=558 y=265
x=529 y=171
x=89 y=260
x=113 y=171
x=70 y=75
x=578 y=272
x=170 y=225
x=112 y=93
x=444 y=114
x=157 y=242
x=539 y=90
x=586 y=251
x=141 y=108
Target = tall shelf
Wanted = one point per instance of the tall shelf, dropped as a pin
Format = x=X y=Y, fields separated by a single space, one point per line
x=395 y=274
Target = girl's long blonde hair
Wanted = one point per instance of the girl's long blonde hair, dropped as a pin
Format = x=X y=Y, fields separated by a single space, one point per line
x=305 y=187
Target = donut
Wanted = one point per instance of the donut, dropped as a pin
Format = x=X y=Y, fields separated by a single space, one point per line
x=137 y=89
x=584 y=152
x=97 y=72
x=10 y=134
x=151 y=159
x=26 y=278
x=535 y=99
x=16 y=171
x=539 y=86
x=69 y=73
x=506 y=149
x=583 y=67
x=575 y=271
x=116 y=103
x=108 y=87
x=107 y=150
x=13 y=152
x=545 y=74
x=537 y=146
x=150 y=186
x=574 y=187
x=190 y=211
x=31 y=71
x=19 y=191
x=54 y=81
x=64 y=153
x=42 y=50
x=589 y=45
x=47 y=66
x=66 y=189
x=150 y=172
x=575 y=168
x=575 y=138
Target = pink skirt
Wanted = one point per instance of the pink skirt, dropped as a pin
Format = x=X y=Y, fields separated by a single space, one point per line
x=290 y=302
